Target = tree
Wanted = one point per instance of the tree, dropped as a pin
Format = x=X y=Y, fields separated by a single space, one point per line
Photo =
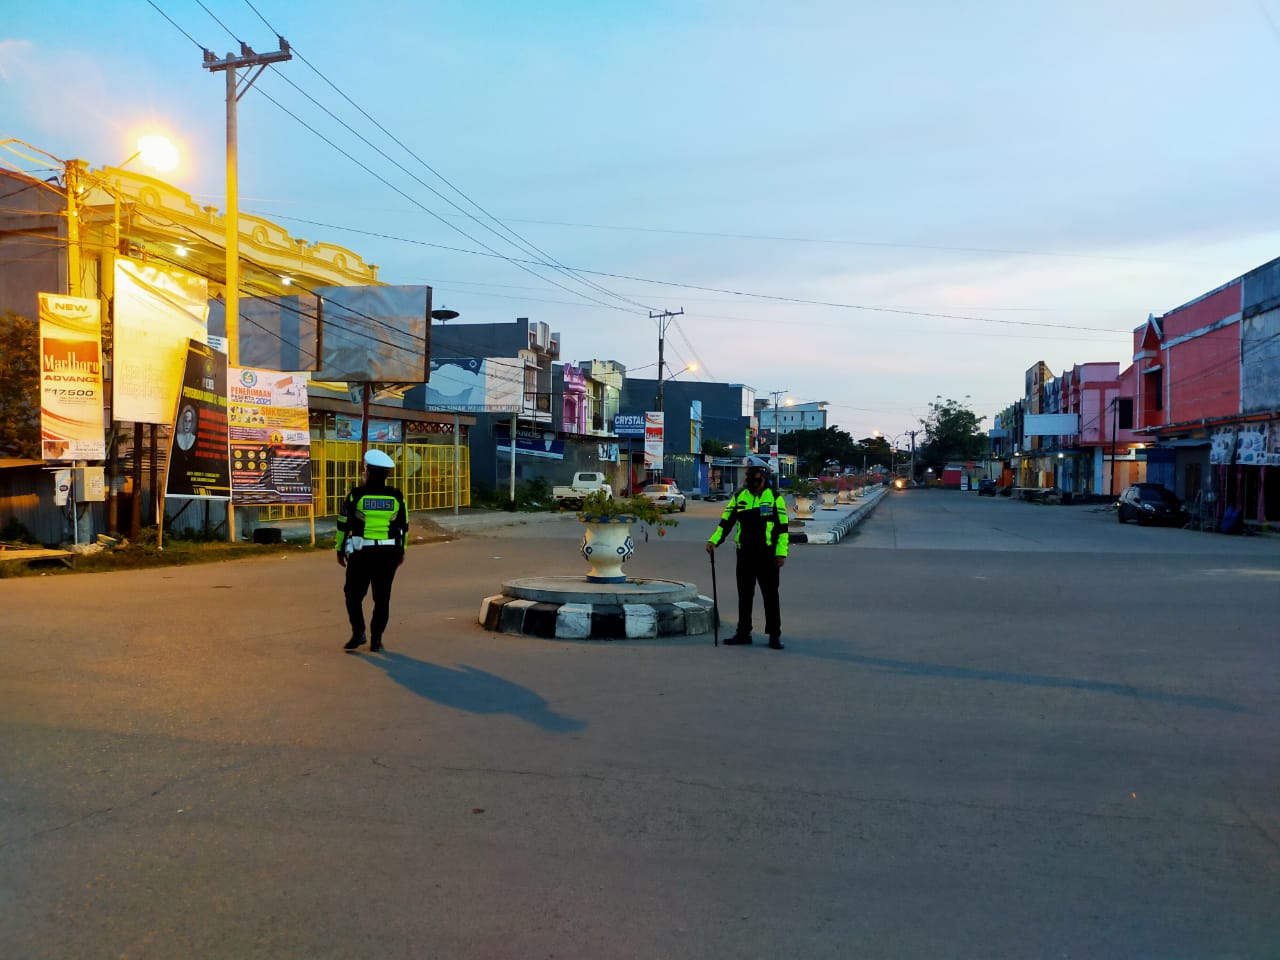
x=819 y=447
x=19 y=386
x=715 y=448
x=951 y=432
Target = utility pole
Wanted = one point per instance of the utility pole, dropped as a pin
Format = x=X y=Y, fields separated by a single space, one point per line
x=663 y=318
x=912 y=434
x=777 y=427
x=1115 y=416
x=230 y=64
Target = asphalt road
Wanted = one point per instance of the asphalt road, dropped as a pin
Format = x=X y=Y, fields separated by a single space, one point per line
x=999 y=730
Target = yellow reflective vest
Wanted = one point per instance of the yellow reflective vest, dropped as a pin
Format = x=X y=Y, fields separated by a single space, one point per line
x=761 y=522
x=373 y=516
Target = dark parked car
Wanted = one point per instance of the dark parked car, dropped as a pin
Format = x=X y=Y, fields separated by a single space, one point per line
x=1150 y=503
x=986 y=487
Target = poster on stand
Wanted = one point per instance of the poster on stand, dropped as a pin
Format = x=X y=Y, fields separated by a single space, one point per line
x=270 y=437
x=653 y=425
x=71 y=395
x=199 y=464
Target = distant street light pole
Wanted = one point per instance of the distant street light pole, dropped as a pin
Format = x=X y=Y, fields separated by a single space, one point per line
x=777 y=426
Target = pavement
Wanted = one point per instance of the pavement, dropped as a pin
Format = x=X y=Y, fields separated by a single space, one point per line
x=827 y=526
x=998 y=731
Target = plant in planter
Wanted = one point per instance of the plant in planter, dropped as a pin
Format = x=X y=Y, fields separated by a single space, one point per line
x=829 y=490
x=606 y=543
x=804 y=494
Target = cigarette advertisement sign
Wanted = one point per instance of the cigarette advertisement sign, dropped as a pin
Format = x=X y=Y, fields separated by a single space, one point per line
x=653 y=424
x=71 y=379
x=199 y=462
x=270 y=436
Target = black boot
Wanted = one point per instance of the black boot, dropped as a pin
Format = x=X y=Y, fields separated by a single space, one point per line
x=357 y=640
x=738 y=639
x=775 y=643
x=376 y=646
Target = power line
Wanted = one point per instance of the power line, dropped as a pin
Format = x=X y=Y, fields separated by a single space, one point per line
x=199 y=46
x=516 y=239
x=512 y=260
x=736 y=293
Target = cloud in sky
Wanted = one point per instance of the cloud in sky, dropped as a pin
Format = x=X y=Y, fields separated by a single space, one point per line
x=1071 y=165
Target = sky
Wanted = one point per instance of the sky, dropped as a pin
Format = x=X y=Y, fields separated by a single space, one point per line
x=868 y=204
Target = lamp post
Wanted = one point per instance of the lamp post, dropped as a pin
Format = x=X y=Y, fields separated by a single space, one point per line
x=442 y=315
x=685 y=369
x=777 y=427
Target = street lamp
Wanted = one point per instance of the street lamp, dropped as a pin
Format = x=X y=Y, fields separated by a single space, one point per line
x=687 y=368
x=442 y=315
x=777 y=426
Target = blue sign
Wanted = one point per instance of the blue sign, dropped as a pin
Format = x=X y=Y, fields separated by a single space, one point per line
x=628 y=425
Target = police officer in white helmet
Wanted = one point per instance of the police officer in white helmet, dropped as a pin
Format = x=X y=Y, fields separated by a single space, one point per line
x=762 y=540
x=372 y=526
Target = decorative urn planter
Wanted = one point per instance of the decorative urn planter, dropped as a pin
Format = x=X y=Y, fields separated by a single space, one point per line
x=844 y=496
x=804 y=505
x=606 y=546
x=828 y=499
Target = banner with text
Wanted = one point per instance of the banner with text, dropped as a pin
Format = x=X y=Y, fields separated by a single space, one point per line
x=71 y=379
x=653 y=424
x=199 y=459
x=270 y=436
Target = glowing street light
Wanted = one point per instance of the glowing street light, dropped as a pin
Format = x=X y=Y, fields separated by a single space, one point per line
x=158 y=152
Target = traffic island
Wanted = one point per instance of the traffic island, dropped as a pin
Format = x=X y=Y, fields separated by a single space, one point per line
x=573 y=608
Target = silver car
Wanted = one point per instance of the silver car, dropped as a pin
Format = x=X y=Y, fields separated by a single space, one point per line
x=666 y=496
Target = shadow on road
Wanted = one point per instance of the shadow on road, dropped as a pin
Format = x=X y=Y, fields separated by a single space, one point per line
x=472 y=690
x=918 y=669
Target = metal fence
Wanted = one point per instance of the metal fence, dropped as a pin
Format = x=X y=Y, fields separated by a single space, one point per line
x=424 y=472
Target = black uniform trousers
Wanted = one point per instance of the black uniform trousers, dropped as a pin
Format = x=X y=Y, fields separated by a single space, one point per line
x=758 y=567
x=370 y=567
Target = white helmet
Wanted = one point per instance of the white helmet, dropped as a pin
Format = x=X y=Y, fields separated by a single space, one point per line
x=376 y=458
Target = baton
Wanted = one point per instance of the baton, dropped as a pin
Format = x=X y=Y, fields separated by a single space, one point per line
x=715 y=600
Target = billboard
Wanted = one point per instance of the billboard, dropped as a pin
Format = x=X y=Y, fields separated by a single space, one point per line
x=270 y=436
x=274 y=333
x=1050 y=425
x=374 y=334
x=157 y=310
x=199 y=465
x=628 y=425
x=71 y=393
x=476 y=385
x=653 y=426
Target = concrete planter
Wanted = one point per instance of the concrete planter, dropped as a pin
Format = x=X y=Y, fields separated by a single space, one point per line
x=804 y=504
x=606 y=546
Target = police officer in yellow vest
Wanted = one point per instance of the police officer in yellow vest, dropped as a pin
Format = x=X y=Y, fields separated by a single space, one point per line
x=761 y=517
x=372 y=525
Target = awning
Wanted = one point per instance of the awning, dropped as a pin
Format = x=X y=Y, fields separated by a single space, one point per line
x=1183 y=442
x=8 y=462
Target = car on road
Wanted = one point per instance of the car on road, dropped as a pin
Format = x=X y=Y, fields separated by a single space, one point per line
x=666 y=496
x=986 y=487
x=1150 y=503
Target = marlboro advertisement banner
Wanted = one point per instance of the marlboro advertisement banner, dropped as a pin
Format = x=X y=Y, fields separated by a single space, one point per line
x=270 y=437
x=199 y=460
x=71 y=379
x=653 y=426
